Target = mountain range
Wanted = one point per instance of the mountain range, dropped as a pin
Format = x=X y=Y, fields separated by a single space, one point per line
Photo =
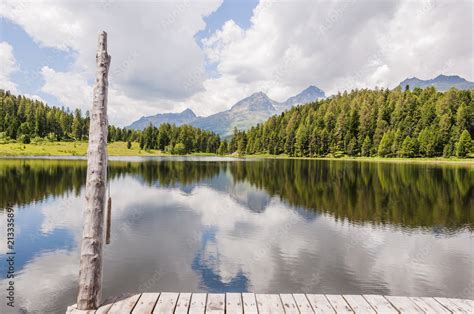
x=178 y=118
x=246 y=113
x=441 y=82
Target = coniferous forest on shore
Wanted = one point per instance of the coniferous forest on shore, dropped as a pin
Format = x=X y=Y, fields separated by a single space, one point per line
x=380 y=122
x=369 y=123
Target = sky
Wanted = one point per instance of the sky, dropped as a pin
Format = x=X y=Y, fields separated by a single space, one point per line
x=170 y=55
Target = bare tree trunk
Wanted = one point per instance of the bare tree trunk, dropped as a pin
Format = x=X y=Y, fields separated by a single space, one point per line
x=90 y=275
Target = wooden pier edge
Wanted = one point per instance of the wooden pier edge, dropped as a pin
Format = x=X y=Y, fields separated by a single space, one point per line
x=200 y=303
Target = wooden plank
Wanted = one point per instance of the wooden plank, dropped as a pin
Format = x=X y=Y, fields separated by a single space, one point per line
x=358 y=304
x=380 y=304
x=106 y=307
x=465 y=304
x=289 y=303
x=338 y=303
x=125 y=305
x=182 y=306
x=429 y=305
x=215 y=303
x=166 y=303
x=404 y=304
x=269 y=303
x=146 y=303
x=302 y=303
x=451 y=305
x=320 y=303
x=249 y=303
x=233 y=303
x=469 y=303
x=198 y=303
x=435 y=304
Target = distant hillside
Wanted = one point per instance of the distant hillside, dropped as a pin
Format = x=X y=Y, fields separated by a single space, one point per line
x=310 y=94
x=441 y=82
x=185 y=117
x=244 y=114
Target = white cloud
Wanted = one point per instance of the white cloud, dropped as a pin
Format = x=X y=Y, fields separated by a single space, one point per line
x=344 y=44
x=70 y=88
x=8 y=66
x=73 y=90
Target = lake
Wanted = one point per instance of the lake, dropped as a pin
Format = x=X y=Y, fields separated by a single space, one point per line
x=268 y=226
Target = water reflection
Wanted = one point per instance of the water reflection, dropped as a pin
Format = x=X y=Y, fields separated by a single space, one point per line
x=264 y=226
x=206 y=263
x=411 y=195
x=407 y=194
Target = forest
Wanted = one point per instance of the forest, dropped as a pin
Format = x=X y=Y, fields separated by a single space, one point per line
x=379 y=122
x=369 y=123
x=26 y=120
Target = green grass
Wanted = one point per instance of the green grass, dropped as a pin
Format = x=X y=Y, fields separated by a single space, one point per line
x=203 y=154
x=70 y=149
x=373 y=159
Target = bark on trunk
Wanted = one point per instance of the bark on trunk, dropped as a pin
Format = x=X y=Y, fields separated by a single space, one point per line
x=90 y=275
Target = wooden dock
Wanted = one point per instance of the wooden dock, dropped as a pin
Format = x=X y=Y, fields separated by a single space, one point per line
x=195 y=303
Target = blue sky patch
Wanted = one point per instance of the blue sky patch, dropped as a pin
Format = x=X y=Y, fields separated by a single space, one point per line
x=30 y=58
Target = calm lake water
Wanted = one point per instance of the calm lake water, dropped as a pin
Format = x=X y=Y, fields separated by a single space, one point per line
x=216 y=225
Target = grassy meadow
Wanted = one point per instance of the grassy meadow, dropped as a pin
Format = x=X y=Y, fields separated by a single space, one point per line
x=70 y=149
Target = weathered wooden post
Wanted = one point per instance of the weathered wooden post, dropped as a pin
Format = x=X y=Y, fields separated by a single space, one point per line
x=90 y=274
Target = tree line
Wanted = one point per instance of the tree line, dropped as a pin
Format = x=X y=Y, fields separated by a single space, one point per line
x=179 y=140
x=23 y=120
x=380 y=122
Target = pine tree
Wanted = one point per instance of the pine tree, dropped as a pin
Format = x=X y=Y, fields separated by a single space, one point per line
x=464 y=145
x=222 y=148
x=242 y=144
x=408 y=148
x=352 y=148
x=427 y=142
x=142 y=142
x=77 y=125
x=366 y=147
x=385 y=146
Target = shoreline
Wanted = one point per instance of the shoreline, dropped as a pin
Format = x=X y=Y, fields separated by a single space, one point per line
x=425 y=160
x=118 y=150
x=432 y=161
